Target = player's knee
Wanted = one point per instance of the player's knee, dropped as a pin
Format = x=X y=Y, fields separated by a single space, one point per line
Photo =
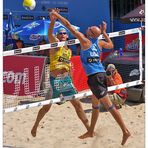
x=96 y=107
x=110 y=108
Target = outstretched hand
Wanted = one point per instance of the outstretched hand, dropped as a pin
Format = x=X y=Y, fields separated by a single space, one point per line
x=52 y=14
x=103 y=26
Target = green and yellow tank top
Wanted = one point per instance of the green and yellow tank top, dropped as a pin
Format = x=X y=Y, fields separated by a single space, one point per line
x=60 y=59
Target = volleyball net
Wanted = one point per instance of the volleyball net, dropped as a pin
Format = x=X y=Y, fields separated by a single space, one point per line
x=38 y=74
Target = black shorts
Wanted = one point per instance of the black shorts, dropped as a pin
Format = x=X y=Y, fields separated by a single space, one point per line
x=98 y=84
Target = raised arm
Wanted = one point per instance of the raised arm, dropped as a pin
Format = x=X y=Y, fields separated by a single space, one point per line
x=107 y=43
x=83 y=40
x=52 y=37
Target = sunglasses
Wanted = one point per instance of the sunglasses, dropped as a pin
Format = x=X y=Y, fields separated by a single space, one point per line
x=60 y=33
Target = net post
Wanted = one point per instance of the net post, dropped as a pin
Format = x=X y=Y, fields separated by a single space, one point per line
x=140 y=54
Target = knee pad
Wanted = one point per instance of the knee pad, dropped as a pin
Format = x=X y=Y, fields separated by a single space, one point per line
x=96 y=107
x=111 y=107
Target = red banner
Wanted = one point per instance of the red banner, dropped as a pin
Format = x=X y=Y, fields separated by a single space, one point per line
x=22 y=74
x=79 y=76
x=132 y=42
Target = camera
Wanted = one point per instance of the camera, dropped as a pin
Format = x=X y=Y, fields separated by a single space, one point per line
x=108 y=73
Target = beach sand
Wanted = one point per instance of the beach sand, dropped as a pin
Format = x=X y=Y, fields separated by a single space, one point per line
x=61 y=127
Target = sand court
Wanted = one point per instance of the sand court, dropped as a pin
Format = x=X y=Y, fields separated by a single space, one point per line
x=61 y=127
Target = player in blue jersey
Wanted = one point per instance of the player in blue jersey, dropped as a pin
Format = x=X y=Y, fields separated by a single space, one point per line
x=97 y=80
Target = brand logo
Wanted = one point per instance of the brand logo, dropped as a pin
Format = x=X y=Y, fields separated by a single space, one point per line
x=17 y=51
x=134 y=45
x=122 y=32
x=71 y=42
x=34 y=37
x=54 y=45
x=11 y=77
x=93 y=59
x=31 y=25
x=135 y=19
x=141 y=11
x=134 y=72
x=94 y=54
x=36 y=47
x=57 y=24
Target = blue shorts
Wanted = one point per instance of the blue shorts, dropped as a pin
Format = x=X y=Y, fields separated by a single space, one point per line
x=62 y=85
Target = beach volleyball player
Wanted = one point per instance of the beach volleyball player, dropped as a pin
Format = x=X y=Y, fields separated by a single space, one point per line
x=60 y=76
x=97 y=81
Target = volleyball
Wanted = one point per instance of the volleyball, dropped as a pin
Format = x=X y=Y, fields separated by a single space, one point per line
x=29 y=4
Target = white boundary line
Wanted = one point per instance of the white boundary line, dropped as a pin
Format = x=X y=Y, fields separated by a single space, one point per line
x=69 y=42
x=79 y=95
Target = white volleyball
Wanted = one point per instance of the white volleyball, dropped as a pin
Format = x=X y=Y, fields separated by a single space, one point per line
x=29 y=4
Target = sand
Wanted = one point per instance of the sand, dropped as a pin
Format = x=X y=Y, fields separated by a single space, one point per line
x=61 y=127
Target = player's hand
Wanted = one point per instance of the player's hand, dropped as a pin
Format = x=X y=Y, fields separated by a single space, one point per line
x=103 y=26
x=53 y=14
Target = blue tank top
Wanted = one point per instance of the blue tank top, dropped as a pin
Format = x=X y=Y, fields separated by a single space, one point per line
x=90 y=59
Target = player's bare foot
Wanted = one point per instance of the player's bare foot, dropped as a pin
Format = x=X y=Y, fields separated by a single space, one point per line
x=87 y=135
x=33 y=132
x=125 y=137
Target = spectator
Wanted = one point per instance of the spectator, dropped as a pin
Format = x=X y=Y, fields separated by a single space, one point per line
x=118 y=97
x=19 y=43
x=43 y=52
x=42 y=42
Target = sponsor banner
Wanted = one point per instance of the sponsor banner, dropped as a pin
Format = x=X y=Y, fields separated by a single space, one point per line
x=137 y=19
x=22 y=75
x=79 y=76
x=132 y=42
x=61 y=9
x=27 y=17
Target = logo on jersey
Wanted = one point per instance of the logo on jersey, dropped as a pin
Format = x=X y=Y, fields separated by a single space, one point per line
x=93 y=59
x=61 y=59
